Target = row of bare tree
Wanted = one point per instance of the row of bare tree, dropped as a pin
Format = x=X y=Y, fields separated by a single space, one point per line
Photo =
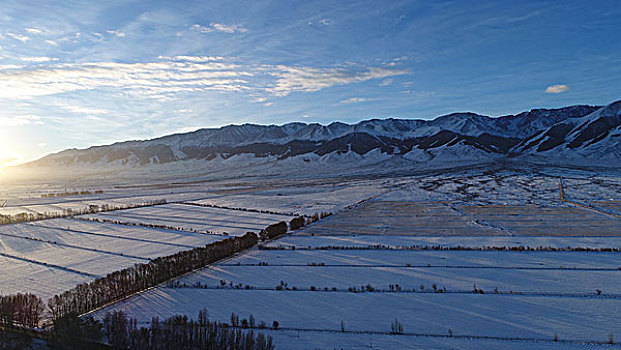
x=21 y=310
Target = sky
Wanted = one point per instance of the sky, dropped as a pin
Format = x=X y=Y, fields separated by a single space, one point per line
x=79 y=73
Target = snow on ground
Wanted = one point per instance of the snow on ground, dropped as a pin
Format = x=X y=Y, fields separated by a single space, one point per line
x=425 y=313
x=61 y=253
x=303 y=200
x=81 y=260
x=553 y=292
x=401 y=218
x=533 y=280
x=95 y=240
x=353 y=240
x=191 y=217
x=130 y=233
x=448 y=218
x=403 y=258
x=292 y=339
x=45 y=281
x=575 y=295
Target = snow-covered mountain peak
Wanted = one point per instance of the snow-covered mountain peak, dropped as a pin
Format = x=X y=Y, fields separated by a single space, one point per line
x=585 y=131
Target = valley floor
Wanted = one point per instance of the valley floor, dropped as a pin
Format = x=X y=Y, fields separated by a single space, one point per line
x=472 y=259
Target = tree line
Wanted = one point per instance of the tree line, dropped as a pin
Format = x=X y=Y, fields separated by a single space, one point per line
x=90 y=209
x=119 y=284
x=176 y=332
x=21 y=310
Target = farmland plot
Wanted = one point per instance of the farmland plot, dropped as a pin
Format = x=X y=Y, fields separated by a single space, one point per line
x=357 y=271
x=50 y=256
x=542 y=221
x=302 y=200
x=401 y=218
x=121 y=235
x=455 y=279
x=431 y=313
x=397 y=242
x=195 y=218
x=81 y=260
x=20 y=276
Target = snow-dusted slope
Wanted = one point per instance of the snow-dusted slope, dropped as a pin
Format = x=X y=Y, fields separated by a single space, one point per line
x=580 y=131
x=594 y=136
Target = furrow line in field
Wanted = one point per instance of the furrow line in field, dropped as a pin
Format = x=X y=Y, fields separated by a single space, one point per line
x=115 y=236
x=439 y=291
x=36 y=262
x=76 y=247
x=560 y=268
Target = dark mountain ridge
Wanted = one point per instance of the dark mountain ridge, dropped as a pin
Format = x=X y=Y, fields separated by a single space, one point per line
x=587 y=130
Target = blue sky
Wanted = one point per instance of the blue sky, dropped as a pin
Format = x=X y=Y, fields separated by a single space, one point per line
x=76 y=73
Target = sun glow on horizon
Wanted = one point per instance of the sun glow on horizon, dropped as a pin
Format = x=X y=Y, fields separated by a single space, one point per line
x=9 y=158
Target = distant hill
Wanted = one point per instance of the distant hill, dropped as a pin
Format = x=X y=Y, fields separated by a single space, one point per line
x=570 y=134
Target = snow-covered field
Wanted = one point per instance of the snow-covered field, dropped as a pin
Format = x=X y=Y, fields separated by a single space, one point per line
x=306 y=200
x=448 y=218
x=522 y=299
x=196 y=218
x=47 y=257
x=363 y=241
x=389 y=233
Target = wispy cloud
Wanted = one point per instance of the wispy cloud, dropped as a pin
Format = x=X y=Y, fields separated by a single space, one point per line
x=355 y=100
x=323 y=22
x=34 y=31
x=51 y=42
x=556 y=89
x=387 y=82
x=155 y=79
x=83 y=110
x=20 y=120
x=38 y=59
x=292 y=79
x=169 y=76
x=116 y=33
x=224 y=28
x=193 y=58
x=19 y=37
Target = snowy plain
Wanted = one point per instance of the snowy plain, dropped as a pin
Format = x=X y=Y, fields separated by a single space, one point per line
x=540 y=293
x=523 y=298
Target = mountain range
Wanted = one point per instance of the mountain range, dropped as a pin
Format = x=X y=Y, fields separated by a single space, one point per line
x=571 y=134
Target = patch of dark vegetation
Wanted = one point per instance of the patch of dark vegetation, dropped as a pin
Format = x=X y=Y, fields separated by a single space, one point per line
x=120 y=284
x=242 y=209
x=273 y=231
x=70 y=194
x=144 y=224
x=117 y=331
x=520 y=248
x=91 y=209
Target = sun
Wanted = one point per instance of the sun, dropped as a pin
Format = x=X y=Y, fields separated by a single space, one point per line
x=9 y=158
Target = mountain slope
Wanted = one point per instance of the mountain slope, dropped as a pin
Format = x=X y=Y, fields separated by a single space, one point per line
x=584 y=131
x=595 y=136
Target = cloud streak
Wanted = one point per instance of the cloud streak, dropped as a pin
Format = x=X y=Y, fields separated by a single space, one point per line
x=19 y=37
x=355 y=100
x=308 y=79
x=556 y=89
x=173 y=75
x=219 y=27
x=38 y=59
x=20 y=120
